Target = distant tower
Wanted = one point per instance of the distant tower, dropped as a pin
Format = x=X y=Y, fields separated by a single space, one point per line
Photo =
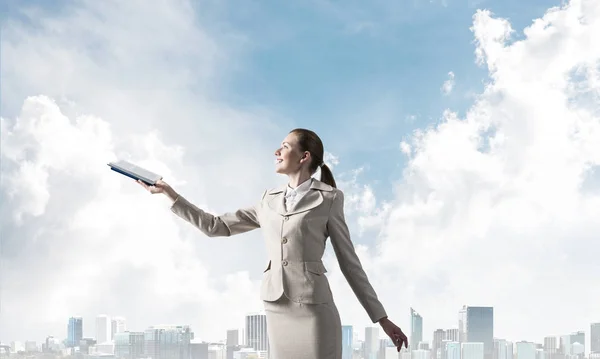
x=416 y=329
x=74 y=331
x=103 y=329
x=595 y=338
x=476 y=325
x=256 y=332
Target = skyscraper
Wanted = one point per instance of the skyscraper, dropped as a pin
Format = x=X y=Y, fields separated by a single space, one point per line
x=256 y=332
x=347 y=342
x=452 y=335
x=117 y=325
x=473 y=350
x=371 y=342
x=416 y=329
x=526 y=350
x=168 y=342
x=550 y=344
x=476 y=325
x=129 y=345
x=74 y=331
x=595 y=338
x=103 y=328
x=233 y=337
x=438 y=337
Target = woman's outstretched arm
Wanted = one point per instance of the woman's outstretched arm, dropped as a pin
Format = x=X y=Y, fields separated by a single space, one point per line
x=225 y=225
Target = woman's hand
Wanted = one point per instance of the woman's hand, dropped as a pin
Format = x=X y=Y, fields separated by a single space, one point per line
x=161 y=187
x=394 y=332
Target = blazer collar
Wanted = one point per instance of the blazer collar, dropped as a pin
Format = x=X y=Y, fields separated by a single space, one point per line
x=316 y=184
x=312 y=199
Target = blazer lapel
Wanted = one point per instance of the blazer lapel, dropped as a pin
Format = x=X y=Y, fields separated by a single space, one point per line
x=276 y=202
x=310 y=200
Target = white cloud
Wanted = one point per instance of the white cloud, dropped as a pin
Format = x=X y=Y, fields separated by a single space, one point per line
x=87 y=241
x=448 y=85
x=500 y=207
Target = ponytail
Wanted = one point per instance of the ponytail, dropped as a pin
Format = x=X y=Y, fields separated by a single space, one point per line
x=327 y=176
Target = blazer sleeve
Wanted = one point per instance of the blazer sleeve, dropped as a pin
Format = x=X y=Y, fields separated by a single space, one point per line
x=349 y=262
x=225 y=225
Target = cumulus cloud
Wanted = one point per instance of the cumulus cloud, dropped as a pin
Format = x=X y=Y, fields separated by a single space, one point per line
x=93 y=241
x=83 y=88
x=499 y=207
x=448 y=85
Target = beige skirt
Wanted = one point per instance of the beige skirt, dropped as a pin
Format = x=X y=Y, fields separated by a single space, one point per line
x=303 y=331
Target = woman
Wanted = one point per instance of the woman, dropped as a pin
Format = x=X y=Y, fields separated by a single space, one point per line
x=302 y=319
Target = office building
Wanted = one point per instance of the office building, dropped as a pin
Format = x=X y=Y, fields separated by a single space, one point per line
x=347 y=341
x=436 y=345
x=371 y=342
x=74 y=332
x=595 y=338
x=416 y=330
x=233 y=337
x=129 y=345
x=117 y=325
x=103 y=329
x=451 y=350
x=256 y=332
x=168 y=342
x=476 y=325
x=472 y=350
x=452 y=335
x=526 y=350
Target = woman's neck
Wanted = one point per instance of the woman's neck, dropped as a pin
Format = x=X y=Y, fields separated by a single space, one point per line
x=297 y=179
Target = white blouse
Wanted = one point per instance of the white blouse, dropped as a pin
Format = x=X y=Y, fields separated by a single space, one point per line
x=293 y=195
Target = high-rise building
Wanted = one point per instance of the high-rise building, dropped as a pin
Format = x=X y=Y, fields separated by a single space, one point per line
x=451 y=350
x=577 y=337
x=103 y=328
x=452 y=335
x=595 y=338
x=416 y=329
x=74 y=331
x=550 y=344
x=550 y=348
x=117 y=325
x=502 y=349
x=129 y=345
x=436 y=345
x=256 y=332
x=233 y=338
x=565 y=344
x=476 y=325
x=371 y=342
x=168 y=342
x=471 y=350
x=526 y=350
x=347 y=342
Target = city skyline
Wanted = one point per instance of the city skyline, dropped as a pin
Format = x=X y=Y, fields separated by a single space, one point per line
x=253 y=334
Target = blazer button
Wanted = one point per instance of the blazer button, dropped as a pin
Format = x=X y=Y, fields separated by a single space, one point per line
x=284 y=263
x=286 y=218
x=284 y=241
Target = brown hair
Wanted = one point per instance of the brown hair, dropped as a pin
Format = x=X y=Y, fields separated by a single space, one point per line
x=310 y=142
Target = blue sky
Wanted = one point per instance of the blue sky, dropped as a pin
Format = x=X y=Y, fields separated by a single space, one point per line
x=336 y=69
x=497 y=187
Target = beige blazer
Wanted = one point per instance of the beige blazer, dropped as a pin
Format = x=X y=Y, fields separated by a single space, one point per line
x=295 y=243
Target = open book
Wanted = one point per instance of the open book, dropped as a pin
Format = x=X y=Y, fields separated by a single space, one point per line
x=130 y=170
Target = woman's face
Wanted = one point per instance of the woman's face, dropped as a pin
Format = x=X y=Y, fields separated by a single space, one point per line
x=288 y=158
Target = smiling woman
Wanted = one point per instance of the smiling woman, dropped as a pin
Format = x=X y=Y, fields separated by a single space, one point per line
x=303 y=321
